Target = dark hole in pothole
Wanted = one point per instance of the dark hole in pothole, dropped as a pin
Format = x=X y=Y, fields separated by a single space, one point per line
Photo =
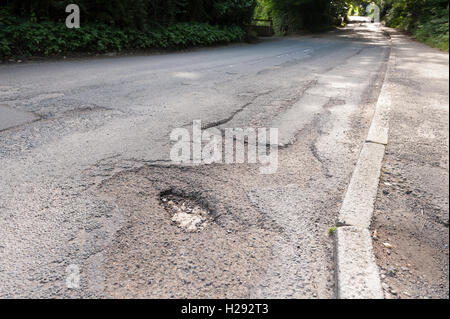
x=186 y=212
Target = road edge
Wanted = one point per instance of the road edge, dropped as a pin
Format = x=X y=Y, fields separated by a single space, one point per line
x=356 y=272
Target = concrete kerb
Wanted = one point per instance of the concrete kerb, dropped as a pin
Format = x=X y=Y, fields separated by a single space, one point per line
x=356 y=272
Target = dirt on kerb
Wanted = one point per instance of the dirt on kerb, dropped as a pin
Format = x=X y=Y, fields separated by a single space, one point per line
x=412 y=244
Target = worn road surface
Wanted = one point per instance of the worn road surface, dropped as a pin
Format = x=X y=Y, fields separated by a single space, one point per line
x=82 y=183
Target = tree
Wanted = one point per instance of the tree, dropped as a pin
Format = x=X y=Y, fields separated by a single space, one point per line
x=290 y=15
x=139 y=13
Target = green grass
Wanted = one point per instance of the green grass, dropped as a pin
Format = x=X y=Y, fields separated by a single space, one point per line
x=332 y=230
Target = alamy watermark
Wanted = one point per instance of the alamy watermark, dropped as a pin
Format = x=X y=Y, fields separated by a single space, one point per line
x=373 y=11
x=230 y=146
x=73 y=277
x=73 y=19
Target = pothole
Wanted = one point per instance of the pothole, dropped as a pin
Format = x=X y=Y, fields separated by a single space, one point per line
x=186 y=213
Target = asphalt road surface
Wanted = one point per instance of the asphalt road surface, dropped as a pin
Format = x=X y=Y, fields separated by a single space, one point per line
x=82 y=183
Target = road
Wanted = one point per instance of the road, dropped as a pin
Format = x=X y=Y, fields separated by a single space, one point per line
x=81 y=184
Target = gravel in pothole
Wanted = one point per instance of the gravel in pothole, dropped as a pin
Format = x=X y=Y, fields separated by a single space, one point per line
x=185 y=213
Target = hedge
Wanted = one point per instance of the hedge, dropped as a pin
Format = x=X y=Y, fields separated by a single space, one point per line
x=27 y=38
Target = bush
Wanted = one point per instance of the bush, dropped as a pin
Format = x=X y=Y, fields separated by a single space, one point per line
x=139 y=14
x=292 y=15
x=434 y=33
x=20 y=37
x=426 y=20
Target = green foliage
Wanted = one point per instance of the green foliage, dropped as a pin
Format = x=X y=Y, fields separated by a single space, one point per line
x=139 y=14
x=332 y=230
x=19 y=37
x=291 y=15
x=37 y=27
x=263 y=9
x=434 y=32
x=427 y=20
x=235 y=12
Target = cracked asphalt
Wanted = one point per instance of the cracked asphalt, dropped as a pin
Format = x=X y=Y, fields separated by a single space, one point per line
x=81 y=185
